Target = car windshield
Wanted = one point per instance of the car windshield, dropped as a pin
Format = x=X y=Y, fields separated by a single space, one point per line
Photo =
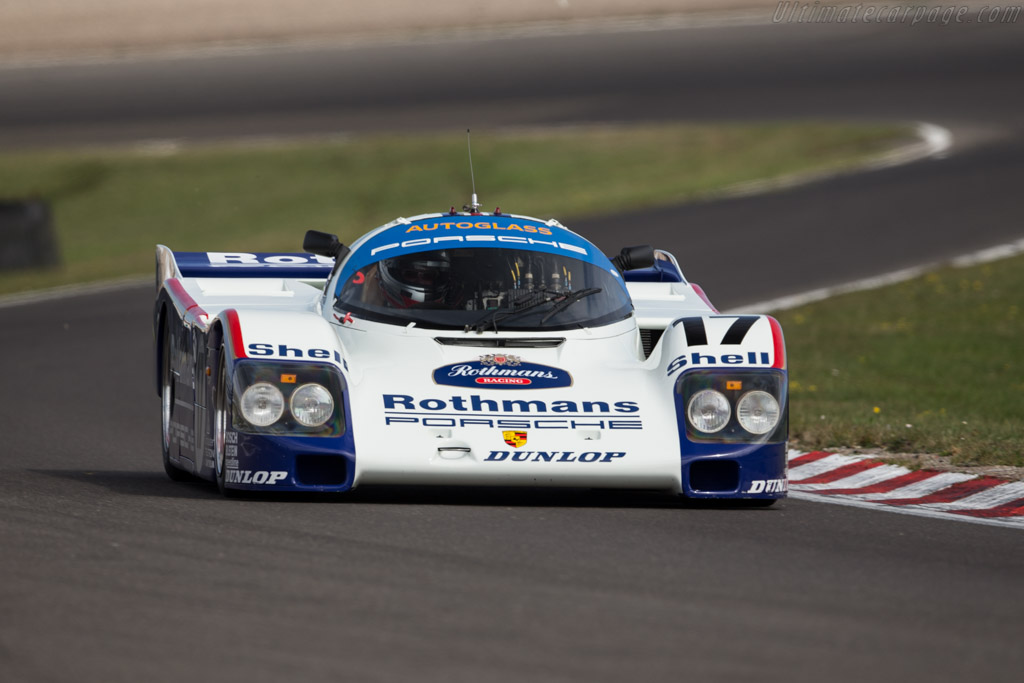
x=484 y=288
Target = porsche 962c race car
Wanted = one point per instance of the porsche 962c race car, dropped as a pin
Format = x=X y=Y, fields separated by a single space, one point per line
x=464 y=348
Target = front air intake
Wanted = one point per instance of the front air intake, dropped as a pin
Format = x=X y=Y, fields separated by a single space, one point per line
x=649 y=339
x=321 y=470
x=715 y=476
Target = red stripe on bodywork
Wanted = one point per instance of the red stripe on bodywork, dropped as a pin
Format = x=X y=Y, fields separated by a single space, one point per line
x=235 y=330
x=841 y=472
x=178 y=290
x=950 y=493
x=703 y=297
x=778 y=343
x=808 y=457
x=1015 y=508
x=885 y=486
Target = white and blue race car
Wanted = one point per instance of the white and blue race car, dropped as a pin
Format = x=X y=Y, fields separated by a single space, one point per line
x=464 y=348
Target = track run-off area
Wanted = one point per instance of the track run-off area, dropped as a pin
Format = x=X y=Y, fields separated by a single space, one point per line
x=112 y=572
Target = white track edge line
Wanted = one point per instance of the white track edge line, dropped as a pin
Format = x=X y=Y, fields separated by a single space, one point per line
x=906 y=510
x=933 y=141
x=67 y=291
x=785 y=303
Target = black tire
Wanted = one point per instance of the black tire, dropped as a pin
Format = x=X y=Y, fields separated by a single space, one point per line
x=166 y=408
x=220 y=426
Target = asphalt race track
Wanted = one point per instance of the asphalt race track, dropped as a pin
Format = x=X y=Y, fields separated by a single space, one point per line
x=111 y=572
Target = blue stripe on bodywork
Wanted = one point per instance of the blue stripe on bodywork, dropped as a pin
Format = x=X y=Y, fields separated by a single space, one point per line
x=454 y=232
x=242 y=264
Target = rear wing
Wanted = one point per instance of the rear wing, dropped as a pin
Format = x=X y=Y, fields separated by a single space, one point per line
x=171 y=264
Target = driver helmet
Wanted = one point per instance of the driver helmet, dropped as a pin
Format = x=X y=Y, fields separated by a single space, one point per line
x=415 y=279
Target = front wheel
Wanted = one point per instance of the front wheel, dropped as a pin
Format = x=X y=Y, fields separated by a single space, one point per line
x=220 y=425
x=166 y=408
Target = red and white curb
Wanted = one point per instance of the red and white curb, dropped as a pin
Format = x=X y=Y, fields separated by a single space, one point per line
x=863 y=481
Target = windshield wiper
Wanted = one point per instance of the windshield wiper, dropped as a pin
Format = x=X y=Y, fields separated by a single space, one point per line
x=523 y=304
x=531 y=301
x=568 y=301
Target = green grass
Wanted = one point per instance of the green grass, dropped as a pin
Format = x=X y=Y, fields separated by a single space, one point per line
x=932 y=365
x=112 y=206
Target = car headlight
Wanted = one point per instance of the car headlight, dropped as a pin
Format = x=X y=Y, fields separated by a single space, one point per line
x=262 y=404
x=708 y=411
x=312 y=405
x=758 y=412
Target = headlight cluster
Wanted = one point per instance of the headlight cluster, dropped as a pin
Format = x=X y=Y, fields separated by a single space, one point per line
x=263 y=404
x=734 y=406
x=288 y=398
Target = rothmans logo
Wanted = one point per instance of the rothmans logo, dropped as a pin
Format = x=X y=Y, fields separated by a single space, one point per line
x=502 y=371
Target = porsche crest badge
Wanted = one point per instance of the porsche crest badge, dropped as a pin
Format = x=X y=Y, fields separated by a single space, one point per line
x=515 y=439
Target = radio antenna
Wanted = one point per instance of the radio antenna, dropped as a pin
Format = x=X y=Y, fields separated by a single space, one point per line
x=474 y=205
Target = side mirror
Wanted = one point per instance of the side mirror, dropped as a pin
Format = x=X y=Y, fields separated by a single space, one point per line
x=633 y=258
x=323 y=244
